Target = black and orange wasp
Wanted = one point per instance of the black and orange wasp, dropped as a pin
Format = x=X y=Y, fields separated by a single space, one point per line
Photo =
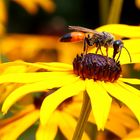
x=94 y=38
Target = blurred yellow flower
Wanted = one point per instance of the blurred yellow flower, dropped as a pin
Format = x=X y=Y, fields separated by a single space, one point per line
x=3 y=12
x=30 y=114
x=31 y=6
x=137 y=2
x=133 y=135
x=26 y=118
x=137 y=67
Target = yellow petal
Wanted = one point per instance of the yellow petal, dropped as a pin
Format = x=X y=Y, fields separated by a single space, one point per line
x=129 y=88
x=137 y=3
x=3 y=13
x=124 y=59
x=129 y=98
x=67 y=125
x=57 y=65
x=51 y=66
x=130 y=80
x=14 y=130
x=124 y=119
x=116 y=128
x=100 y=101
x=72 y=108
x=30 y=6
x=132 y=45
x=49 y=131
x=121 y=29
x=133 y=135
x=34 y=87
x=134 y=50
x=15 y=69
x=47 y=5
x=31 y=77
x=51 y=102
x=25 y=111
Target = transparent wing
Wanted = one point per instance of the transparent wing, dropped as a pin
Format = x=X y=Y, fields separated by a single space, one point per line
x=82 y=29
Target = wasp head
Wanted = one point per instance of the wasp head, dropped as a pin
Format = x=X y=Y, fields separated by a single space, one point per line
x=117 y=46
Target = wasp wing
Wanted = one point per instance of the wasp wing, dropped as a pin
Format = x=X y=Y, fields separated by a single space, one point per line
x=81 y=29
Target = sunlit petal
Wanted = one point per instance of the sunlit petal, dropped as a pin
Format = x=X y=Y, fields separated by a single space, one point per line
x=129 y=88
x=48 y=131
x=34 y=87
x=129 y=98
x=132 y=45
x=124 y=58
x=30 y=6
x=67 y=125
x=31 y=77
x=57 y=65
x=48 y=105
x=130 y=80
x=121 y=29
x=100 y=101
x=47 y=5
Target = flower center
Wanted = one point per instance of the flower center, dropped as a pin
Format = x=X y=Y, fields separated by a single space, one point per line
x=96 y=67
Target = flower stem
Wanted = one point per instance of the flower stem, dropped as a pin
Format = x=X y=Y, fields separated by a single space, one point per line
x=82 y=121
x=115 y=11
x=103 y=10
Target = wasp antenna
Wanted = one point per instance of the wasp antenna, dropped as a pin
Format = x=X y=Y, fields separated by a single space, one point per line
x=128 y=54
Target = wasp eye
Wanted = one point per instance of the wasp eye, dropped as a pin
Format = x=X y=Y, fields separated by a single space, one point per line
x=117 y=44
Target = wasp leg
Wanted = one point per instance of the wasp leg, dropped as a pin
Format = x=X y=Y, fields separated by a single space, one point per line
x=101 y=51
x=98 y=47
x=107 y=51
x=85 y=47
x=107 y=54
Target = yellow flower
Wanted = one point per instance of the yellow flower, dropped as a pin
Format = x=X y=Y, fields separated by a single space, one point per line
x=61 y=76
x=94 y=74
x=32 y=5
x=26 y=118
x=119 y=120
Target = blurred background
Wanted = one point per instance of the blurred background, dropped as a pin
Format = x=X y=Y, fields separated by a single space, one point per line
x=30 y=30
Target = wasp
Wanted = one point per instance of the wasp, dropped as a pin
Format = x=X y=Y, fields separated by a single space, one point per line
x=94 y=38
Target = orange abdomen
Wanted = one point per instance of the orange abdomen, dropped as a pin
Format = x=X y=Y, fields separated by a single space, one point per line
x=73 y=37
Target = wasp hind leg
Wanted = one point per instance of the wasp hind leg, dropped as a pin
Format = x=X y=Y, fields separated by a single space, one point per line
x=85 y=47
x=107 y=54
x=99 y=48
